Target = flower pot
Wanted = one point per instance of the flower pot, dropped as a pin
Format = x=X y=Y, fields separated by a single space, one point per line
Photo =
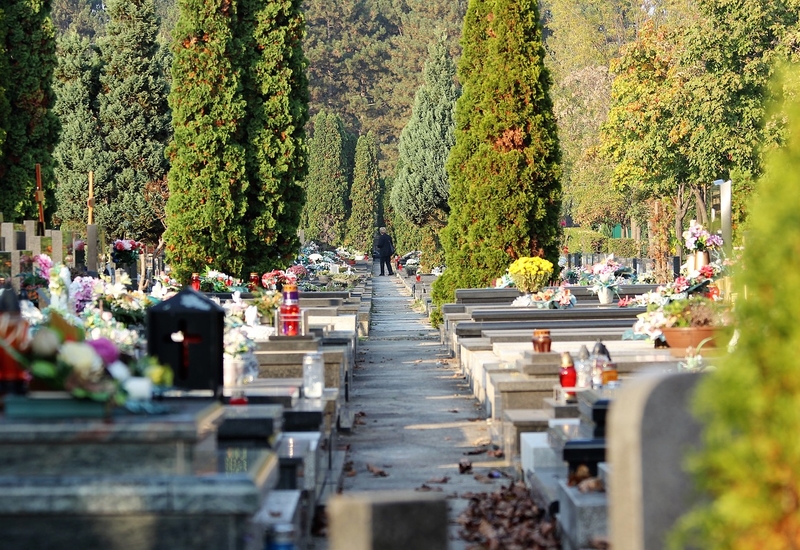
x=681 y=338
x=605 y=295
x=701 y=259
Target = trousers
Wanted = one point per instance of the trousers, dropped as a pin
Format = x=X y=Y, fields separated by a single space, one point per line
x=386 y=261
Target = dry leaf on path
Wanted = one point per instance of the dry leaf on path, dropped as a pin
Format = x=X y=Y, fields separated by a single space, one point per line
x=496 y=454
x=443 y=479
x=424 y=487
x=453 y=411
x=464 y=466
x=482 y=478
x=375 y=471
x=591 y=485
x=475 y=452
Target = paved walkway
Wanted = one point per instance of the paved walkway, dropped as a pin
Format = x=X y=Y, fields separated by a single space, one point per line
x=416 y=417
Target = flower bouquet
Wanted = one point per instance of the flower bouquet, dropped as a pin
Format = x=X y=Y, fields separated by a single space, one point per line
x=560 y=298
x=216 y=281
x=277 y=278
x=299 y=271
x=35 y=275
x=126 y=251
x=692 y=319
x=698 y=239
x=530 y=273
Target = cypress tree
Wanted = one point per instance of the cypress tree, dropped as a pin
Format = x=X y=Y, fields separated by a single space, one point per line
x=207 y=179
x=134 y=118
x=505 y=195
x=31 y=126
x=326 y=186
x=269 y=35
x=750 y=464
x=77 y=81
x=4 y=108
x=422 y=186
x=364 y=195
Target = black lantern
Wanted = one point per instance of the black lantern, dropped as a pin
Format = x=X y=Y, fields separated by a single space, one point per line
x=186 y=333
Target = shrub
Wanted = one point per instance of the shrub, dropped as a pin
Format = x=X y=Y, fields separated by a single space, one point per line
x=585 y=241
x=626 y=248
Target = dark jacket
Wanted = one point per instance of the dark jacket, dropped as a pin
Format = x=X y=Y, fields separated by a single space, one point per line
x=385 y=246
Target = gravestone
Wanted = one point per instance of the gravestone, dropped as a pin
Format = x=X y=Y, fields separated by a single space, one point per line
x=650 y=431
x=186 y=333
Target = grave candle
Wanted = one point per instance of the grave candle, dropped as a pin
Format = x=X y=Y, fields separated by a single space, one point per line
x=567 y=377
x=196 y=281
x=289 y=311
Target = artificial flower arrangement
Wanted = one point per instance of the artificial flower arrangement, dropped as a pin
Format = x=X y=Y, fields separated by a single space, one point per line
x=59 y=357
x=299 y=271
x=559 y=298
x=216 y=281
x=530 y=273
x=697 y=310
x=698 y=239
x=37 y=277
x=277 y=277
x=267 y=303
x=126 y=251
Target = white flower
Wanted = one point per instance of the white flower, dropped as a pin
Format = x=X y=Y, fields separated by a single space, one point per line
x=119 y=371
x=82 y=358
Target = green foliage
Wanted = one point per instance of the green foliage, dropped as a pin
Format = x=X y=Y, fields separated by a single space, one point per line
x=134 y=121
x=584 y=241
x=31 y=126
x=207 y=178
x=422 y=186
x=79 y=151
x=366 y=59
x=626 y=248
x=505 y=195
x=268 y=36
x=4 y=107
x=87 y=18
x=327 y=187
x=750 y=463
x=364 y=195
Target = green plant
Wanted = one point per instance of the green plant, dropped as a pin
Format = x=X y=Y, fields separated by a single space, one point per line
x=585 y=241
x=530 y=273
x=749 y=466
x=626 y=248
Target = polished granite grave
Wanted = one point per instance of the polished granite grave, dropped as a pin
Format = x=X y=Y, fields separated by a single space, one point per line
x=134 y=481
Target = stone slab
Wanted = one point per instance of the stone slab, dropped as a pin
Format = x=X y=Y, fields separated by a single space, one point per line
x=582 y=516
x=388 y=520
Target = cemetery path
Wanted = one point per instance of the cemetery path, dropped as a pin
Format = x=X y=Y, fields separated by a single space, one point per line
x=416 y=418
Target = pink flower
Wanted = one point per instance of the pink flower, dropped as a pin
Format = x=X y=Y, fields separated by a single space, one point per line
x=106 y=349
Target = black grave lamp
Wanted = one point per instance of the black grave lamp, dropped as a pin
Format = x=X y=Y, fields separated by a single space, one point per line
x=186 y=332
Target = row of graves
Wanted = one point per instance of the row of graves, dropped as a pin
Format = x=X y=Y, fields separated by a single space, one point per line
x=587 y=399
x=180 y=418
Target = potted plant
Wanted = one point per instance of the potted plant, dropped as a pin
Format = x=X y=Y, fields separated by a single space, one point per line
x=530 y=274
x=684 y=322
x=698 y=243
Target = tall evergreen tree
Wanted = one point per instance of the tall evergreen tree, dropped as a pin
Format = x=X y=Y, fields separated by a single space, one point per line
x=422 y=187
x=327 y=188
x=505 y=195
x=79 y=151
x=269 y=34
x=4 y=108
x=31 y=126
x=207 y=178
x=134 y=118
x=364 y=195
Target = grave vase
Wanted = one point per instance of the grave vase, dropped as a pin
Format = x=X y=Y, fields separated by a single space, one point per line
x=605 y=295
x=681 y=338
x=701 y=259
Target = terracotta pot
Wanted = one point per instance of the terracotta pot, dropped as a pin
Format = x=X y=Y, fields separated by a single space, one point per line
x=680 y=338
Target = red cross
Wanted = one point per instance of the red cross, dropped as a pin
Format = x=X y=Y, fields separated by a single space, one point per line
x=181 y=337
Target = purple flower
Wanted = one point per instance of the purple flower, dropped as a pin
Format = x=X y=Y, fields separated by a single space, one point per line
x=106 y=349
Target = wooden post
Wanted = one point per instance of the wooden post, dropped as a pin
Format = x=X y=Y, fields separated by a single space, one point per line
x=40 y=201
x=90 y=202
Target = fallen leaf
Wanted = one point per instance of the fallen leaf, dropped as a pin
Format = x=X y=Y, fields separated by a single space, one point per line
x=482 y=478
x=360 y=414
x=591 y=485
x=453 y=411
x=375 y=471
x=496 y=454
x=475 y=452
x=443 y=479
x=464 y=466
x=580 y=473
x=424 y=487
x=351 y=473
x=275 y=513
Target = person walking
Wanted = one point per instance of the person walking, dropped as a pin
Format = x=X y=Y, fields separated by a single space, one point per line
x=386 y=249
